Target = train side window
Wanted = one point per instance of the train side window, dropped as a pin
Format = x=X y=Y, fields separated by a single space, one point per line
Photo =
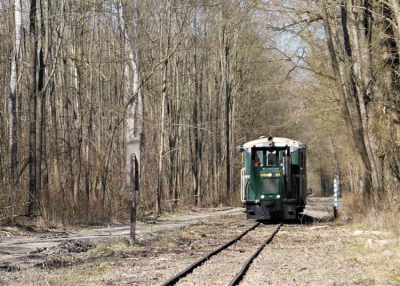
x=260 y=158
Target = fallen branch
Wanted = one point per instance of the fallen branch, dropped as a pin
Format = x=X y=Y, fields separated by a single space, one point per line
x=319 y=227
x=9 y=207
x=13 y=216
x=7 y=233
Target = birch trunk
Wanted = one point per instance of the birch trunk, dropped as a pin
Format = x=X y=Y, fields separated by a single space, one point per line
x=138 y=82
x=13 y=90
x=131 y=86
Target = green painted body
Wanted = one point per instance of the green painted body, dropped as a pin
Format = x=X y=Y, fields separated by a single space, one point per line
x=274 y=181
x=255 y=186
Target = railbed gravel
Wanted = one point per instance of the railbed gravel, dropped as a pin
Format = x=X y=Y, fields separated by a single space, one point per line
x=318 y=254
x=204 y=239
x=305 y=255
x=222 y=268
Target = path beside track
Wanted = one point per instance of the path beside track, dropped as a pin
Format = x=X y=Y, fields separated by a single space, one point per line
x=18 y=248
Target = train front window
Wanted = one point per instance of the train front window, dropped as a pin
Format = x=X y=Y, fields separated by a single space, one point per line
x=271 y=158
x=259 y=159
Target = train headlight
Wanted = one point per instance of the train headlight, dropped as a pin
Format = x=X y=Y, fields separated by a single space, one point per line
x=262 y=196
x=278 y=196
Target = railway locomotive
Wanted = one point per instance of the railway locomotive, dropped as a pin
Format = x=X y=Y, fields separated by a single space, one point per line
x=273 y=178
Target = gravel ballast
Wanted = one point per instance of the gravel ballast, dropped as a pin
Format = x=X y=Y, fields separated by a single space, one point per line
x=327 y=253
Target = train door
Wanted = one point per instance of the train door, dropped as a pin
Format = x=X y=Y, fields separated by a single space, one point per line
x=296 y=182
x=287 y=173
x=303 y=174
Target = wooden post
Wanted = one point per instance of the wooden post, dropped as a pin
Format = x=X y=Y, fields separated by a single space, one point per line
x=134 y=186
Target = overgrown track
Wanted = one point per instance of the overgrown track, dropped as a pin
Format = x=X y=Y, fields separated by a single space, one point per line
x=242 y=272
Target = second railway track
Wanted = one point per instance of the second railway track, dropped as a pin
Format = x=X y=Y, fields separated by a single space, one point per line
x=229 y=263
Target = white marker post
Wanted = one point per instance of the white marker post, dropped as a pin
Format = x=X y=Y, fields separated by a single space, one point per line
x=335 y=198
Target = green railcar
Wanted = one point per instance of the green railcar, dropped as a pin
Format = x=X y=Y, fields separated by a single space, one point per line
x=273 y=178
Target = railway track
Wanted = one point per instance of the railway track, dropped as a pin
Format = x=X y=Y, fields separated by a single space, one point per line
x=236 y=280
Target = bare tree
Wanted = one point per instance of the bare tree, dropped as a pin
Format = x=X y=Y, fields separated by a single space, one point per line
x=32 y=108
x=13 y=89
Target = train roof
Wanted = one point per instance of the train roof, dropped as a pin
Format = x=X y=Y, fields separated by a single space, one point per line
x=279 y=141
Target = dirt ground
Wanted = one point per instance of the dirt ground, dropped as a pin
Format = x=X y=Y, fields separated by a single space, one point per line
x=321 y=253
x=20 y=240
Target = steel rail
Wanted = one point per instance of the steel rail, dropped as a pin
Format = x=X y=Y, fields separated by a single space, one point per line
x=191 y=267
x=239 y=276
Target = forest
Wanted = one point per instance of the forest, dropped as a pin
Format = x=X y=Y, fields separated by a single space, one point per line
x=85 y=84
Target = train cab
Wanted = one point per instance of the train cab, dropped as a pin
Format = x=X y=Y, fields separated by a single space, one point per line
x=273 y=178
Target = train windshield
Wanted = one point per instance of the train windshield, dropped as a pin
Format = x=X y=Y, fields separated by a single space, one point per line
x=271 y=158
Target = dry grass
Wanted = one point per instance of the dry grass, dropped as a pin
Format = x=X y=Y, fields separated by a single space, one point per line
x=159 y=256
x=385 y=216
x=115 y=262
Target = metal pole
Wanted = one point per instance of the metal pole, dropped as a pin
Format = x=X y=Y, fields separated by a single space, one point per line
x=335 y=198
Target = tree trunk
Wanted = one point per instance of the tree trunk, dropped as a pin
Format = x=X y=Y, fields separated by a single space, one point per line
x=364 y=184
x=395 y=7
x=367 y=112
x=13 y=91
x=32 y=109
x=39 y=128
x=133 y=143
x=162 y=123
x=226 y=80
x=196 y=138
